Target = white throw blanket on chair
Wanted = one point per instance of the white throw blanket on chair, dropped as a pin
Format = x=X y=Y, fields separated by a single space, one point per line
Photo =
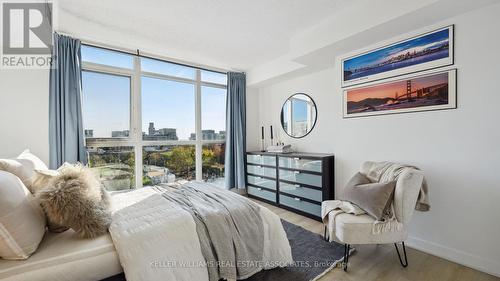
x=388 y=171
x=332 y=208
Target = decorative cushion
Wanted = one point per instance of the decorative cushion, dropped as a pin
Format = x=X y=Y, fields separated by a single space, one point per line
x=23 y=167
x=22 y=223
x=374 y=198
x=74 y=198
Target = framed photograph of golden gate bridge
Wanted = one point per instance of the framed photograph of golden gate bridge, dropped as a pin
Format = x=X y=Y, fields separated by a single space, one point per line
x=409 y=55
x=430 y=90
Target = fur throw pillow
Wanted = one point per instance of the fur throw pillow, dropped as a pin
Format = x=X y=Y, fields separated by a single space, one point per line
x=74 y=198
x=43 y=179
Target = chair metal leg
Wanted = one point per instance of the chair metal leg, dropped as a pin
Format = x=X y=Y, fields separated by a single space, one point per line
x=405 y=264
x=346 y=255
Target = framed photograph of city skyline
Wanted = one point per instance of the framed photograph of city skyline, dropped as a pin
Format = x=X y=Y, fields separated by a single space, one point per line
x=422 y=52
x=424 y=91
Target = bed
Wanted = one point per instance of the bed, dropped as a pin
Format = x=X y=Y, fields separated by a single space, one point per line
x=139 y=244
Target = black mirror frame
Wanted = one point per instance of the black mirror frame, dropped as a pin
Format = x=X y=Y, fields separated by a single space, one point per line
x=315 y=120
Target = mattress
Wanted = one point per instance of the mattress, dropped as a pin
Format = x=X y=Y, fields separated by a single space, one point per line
x=64 y=256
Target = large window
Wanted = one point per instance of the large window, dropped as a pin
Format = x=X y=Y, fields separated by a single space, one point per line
x=168 y=109
x=150 y=122
x=168 y=163
x=114 y=166
x=213 y=113
x=106 y=109
x=213 y=163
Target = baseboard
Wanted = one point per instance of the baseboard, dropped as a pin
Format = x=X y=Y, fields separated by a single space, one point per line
x=460 y=257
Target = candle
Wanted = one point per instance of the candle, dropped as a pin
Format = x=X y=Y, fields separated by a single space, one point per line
x=262 y=132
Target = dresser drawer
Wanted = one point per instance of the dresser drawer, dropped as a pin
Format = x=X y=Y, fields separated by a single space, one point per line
x=261 y=171
x=297 y=190
x=296 y=203
x=261 y=159
x=300 y=177
x=271 y=184
x=313 y=165
x=261 y=193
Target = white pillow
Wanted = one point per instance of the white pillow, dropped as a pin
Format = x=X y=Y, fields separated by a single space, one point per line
x=23 y=167
x=22 y=221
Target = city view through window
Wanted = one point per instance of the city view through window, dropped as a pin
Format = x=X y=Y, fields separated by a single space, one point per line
x=176 y=131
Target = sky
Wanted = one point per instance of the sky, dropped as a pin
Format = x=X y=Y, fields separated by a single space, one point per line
x=389 y=89
x=382 y=54
x=169 y=104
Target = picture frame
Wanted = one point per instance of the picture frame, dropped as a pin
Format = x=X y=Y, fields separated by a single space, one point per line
x=429 y=50
x=423 y=91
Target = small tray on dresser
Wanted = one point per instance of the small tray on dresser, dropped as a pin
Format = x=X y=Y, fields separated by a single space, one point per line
x=298 y=182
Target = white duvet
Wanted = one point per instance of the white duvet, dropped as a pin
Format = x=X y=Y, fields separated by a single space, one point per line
x=156 y=240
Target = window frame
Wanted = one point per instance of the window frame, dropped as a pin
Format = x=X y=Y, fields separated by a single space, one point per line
x=135 y=139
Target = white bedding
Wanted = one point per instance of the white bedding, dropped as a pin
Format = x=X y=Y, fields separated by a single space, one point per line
x=152 y=237
x=157 y=240
x=64 y=257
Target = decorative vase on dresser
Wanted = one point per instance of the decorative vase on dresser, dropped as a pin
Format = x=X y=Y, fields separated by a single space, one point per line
x=298 y=182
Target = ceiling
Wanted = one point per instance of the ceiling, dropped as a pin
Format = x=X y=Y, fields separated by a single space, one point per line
x=231 y=34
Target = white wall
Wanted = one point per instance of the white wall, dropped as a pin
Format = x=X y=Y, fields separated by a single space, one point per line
x=459 y=149
x=24 y=112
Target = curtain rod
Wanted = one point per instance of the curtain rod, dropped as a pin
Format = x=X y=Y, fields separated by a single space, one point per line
x=139 y=54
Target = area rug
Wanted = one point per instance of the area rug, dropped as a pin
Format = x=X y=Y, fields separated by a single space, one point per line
x=313 y=257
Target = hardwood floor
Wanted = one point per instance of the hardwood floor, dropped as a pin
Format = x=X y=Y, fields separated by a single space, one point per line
x=380 y=262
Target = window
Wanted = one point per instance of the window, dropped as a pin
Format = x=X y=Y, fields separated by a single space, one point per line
x=106 y=57
x=170 y=128
x=168 y=109
x=213 y=163
x=168 y=163
x=213 y=77
x=213 y=113
x=106 y=95
x=165 y=68
x=114 y=166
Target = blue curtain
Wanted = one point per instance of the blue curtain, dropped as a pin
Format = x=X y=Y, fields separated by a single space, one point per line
x=66 y=134
x=235 y=130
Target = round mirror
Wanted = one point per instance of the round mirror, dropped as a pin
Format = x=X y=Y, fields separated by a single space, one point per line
x=298 y=115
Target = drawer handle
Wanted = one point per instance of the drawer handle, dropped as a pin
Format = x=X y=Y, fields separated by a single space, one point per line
x=296 y=199
x=297 y=186
x=296 y=158
x=259 y=189
x=259 y=166
x=296 y=172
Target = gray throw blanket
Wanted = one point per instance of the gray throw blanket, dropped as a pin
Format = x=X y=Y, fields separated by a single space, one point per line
x=229 y=227
x=389 y=171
